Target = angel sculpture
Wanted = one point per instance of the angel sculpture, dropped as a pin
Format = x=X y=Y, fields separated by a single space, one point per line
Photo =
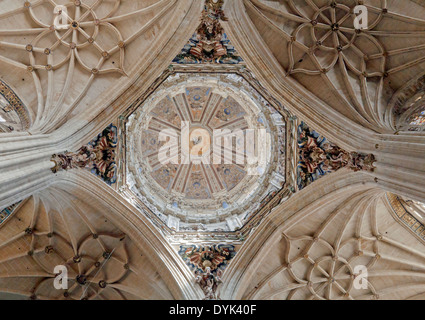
x=209 y=283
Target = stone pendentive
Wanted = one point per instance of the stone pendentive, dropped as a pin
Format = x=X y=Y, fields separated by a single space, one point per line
x=317 y=157
x=209 y=44
x=97 y=156
x=208 y=264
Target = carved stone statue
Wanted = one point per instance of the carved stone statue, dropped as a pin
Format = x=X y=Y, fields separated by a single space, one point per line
x=209 y=283
x=318 y=157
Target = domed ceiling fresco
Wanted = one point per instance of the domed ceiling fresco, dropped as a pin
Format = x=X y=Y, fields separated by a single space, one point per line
x=203 y=151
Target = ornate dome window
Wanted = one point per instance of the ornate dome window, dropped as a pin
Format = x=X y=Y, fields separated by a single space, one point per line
x=416 y=208
x=408 y=106
x=414 y=118
x=418 y=118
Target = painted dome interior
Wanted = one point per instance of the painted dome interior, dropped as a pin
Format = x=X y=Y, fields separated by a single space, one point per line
x=215 y=179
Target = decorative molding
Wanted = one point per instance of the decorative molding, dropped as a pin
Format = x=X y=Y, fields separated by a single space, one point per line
x=399 y=102
x=8 y=211
x=317 y=157
x=15 y=104
x=98 y=156
x=404 y=217
x=408 y=105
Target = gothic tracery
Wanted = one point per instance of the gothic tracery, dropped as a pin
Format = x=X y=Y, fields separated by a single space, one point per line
x=90 y=88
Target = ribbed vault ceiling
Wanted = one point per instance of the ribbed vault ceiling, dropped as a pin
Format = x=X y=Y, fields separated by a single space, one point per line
x=363 y=90
x=53 y=228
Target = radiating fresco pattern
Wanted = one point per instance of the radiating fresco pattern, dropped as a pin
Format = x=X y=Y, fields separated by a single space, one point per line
x=201 y=107
x=213 y=186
